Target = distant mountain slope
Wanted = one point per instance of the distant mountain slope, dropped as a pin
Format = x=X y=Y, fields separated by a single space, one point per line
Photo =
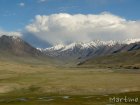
x=17 y=46
x=83 y=51
x=73 y=54
x=14 y=49
x=128 y=60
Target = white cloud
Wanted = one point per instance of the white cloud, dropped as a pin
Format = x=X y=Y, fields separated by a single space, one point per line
x=64 y=28
x=2 y=32
x=21 y=4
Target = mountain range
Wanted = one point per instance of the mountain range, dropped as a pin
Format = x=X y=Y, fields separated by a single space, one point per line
x=17 y=46
x=83 y=51
x=75 y=53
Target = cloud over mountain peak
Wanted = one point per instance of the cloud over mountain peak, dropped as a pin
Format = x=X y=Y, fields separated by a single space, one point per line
x=65 y=28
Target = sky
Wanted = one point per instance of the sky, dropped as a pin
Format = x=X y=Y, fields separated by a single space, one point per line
x=45 y=23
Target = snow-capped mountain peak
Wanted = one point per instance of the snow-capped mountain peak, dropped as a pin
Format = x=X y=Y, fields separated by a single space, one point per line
x=57 y=47
x=88 y=49
x=83 y=45
x=14 y=38
x=129 y=41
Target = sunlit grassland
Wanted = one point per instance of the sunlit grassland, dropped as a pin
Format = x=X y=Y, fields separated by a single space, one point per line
x=37 y=79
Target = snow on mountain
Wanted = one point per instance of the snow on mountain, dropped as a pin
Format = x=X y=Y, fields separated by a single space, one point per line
x=129 y=41
x=80 y=45
x=57 y=47
x=87 y=49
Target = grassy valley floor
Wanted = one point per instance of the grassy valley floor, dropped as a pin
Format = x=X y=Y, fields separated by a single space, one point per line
x=42 y=84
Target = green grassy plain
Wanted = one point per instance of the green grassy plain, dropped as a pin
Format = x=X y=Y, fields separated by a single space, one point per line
x=27 y=81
